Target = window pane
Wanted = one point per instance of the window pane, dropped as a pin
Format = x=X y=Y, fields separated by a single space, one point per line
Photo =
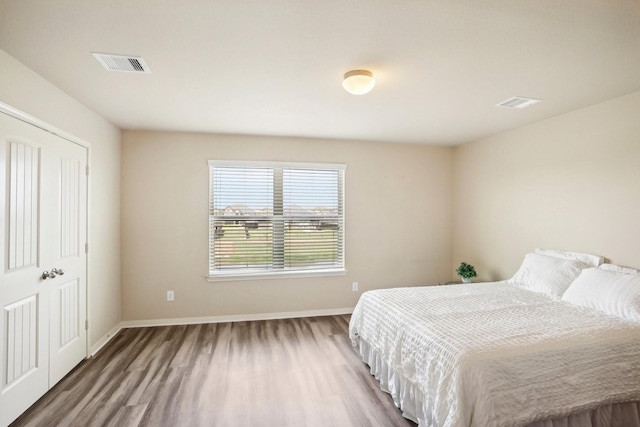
x=310 y=192
x=311 y=210
x=242 y=191
x=242 y=200
x=242 y=243
x=312 y=243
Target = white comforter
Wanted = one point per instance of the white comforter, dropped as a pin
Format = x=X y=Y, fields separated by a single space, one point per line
x=494 y=354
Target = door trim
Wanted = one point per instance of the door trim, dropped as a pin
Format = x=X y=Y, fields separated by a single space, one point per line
x=27 y=118
x=47 y=127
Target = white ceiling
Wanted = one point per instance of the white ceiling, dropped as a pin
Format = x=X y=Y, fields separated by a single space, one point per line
x=274 y=67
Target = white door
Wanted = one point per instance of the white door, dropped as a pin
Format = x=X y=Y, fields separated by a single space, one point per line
x=65 y=182
x=42 y=227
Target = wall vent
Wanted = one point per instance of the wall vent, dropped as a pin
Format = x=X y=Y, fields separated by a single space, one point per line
x=129 y=64
x=518 y=102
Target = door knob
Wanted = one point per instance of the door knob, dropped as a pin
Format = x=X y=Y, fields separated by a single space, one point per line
x=50 y=275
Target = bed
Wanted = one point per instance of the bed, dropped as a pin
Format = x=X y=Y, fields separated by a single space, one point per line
x=556 y=345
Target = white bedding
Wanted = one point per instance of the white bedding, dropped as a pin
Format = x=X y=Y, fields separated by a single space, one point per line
x=494 y=354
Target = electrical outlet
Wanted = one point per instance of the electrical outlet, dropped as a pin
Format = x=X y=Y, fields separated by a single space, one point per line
x=354 y=286
x=169 y=295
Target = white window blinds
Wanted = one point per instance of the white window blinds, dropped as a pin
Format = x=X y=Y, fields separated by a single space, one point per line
x=275 y=217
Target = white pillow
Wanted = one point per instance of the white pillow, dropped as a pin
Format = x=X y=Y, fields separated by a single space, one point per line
x=546 y=274
x=590 y=260
x=614 y=293
x=619 y=269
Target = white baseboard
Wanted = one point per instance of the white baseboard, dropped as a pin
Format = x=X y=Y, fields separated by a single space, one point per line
x=94 y=349
x=235 y=318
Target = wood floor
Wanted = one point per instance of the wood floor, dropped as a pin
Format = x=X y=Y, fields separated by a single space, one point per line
x=293 y=372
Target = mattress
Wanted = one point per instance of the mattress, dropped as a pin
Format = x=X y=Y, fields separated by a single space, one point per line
x=494 y=354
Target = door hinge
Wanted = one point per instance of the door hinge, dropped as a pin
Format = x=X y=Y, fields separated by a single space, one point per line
x=86 y=248
x=86 y=325
x=87 y=170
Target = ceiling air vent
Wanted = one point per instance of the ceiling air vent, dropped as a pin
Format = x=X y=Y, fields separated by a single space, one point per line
x=130 y=64
x=518 y=102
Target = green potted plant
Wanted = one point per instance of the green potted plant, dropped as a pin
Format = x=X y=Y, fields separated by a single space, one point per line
x=466 y=271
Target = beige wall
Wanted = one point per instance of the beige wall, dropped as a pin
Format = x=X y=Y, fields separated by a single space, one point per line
x=571 y=182
x=23 y=89
x=164 y=223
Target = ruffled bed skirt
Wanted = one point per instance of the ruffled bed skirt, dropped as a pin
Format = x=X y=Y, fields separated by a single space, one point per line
x=411 y=402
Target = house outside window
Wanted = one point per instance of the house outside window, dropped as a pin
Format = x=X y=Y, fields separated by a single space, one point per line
x=275 y=219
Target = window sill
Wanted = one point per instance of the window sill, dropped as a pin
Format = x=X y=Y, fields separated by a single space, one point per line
x=229 y=277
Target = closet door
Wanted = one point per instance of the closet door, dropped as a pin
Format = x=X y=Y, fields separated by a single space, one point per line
x=42 y=227
x=65 y=192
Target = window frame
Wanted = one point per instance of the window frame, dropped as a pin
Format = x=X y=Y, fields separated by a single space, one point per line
x=233 y=275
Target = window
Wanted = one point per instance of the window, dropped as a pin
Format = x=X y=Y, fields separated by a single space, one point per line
x=275 y=218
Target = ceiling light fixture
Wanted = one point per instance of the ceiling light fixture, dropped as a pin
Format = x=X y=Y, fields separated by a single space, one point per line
x=358 y=82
